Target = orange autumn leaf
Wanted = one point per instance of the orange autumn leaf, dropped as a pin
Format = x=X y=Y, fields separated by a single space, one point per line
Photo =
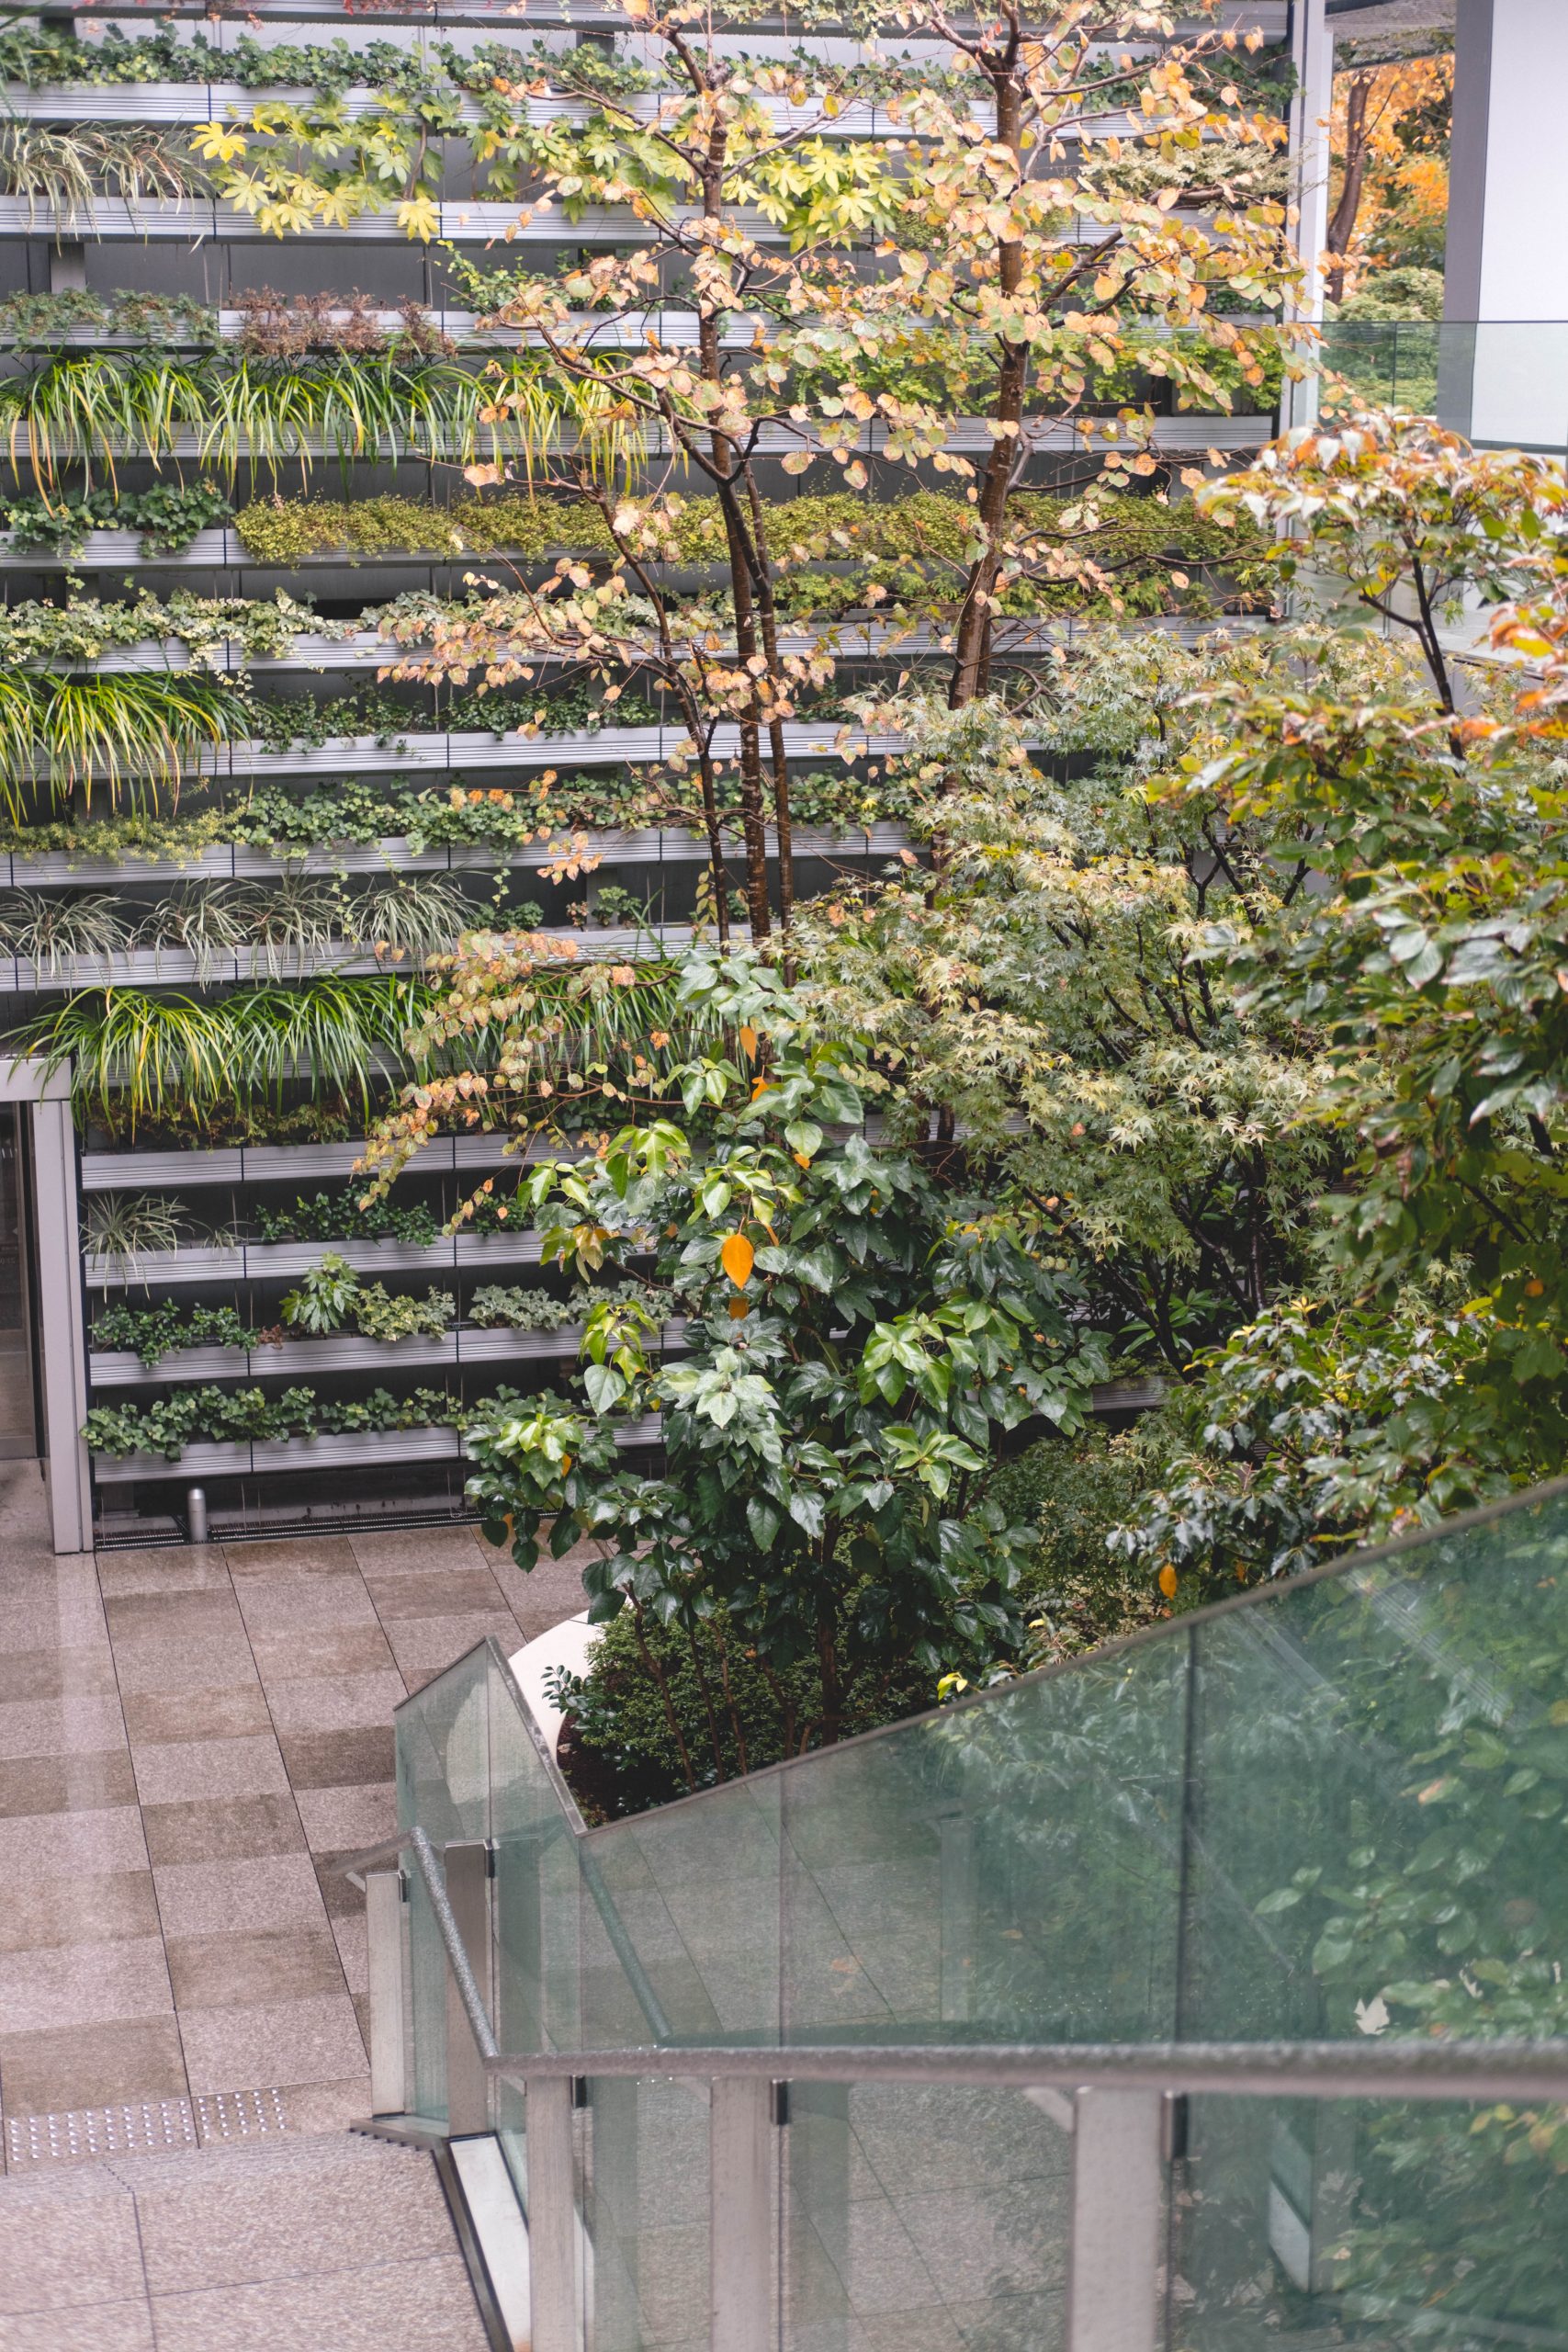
x=748 y=1041
x=737 y=1258
x=1167 y=1581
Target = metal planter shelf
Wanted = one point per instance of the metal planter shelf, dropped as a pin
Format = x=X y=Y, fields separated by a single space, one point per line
x=303 y=1359
x=361 y=1450
x=171 y=968
x=651 y=846
x=223 y=549
x=454 y=754
x=1271 y=18
x=1173 y=437
x=274 y=1163
x=267 y=1261
x=850 y=640
x=194 y=220
x=197 y=102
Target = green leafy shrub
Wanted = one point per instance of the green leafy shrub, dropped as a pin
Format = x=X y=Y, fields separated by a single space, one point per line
x=182 y=1417
x=1073 y=1492
x=665 y=1707
x=338 y=1217
x=154 y=1332
x=498 y=1306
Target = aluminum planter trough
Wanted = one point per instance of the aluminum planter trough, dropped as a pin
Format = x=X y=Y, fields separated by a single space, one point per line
x=303 y=1359
x=286 y=1260
x=267 y=1163
x=361 y=1449
x=474 y=222
x=648 y=845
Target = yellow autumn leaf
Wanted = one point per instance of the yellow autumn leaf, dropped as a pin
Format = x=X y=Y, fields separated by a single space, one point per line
x=748 y=1041
x=737 y=1258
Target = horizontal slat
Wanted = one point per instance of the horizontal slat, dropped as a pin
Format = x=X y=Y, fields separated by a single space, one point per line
x=477 y=222
x=194 y=102
x=1172 y=437
x=273 y=1164
x=850 y=641
x=644 y=848
x=286 y=1260
x=457 y=753
x=303 y=1359
x=362 y=1449
x=146 y=967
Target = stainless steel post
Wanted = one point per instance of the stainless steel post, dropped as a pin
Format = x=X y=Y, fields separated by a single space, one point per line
x=384 y=1913
x=552 y=2214
x=741 y=2136
x=1117 y=2209
x=467 y=1865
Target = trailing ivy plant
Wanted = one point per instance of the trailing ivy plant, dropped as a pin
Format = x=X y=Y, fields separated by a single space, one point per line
x=154 y=1332
x=341 y=1217
x=183 y=1417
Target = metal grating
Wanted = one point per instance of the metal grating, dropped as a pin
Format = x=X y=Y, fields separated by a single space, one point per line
x=134 y=2128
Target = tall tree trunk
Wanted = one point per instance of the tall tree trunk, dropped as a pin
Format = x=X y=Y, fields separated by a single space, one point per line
x=721 y=456
x=971 y=663
x=1357 y=150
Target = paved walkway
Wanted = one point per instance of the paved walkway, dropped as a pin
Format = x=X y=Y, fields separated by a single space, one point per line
x=332 y=2243
x=187 y=1737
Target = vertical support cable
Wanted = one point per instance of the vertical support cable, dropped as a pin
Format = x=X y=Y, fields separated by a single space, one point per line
x=741 y=2172
x=552 y=2213
x=467 y=1865
x=1117 y=2211
x=384 y=1916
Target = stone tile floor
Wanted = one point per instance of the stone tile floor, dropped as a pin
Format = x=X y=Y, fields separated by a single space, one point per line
x=187 y=1739
x=329 y=2243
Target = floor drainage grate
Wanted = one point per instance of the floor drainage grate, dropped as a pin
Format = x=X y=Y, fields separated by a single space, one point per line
x=239 y=2115
x=136 y=2127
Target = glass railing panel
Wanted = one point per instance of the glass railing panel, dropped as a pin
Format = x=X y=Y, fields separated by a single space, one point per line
x=444 y=1780
x=930 y=2217
x=1503 y=384
x=1392 y=365
x=1333 y=2222
x=645 y=2212
x=534 y=1893
x=1380 y=1796
x=1008 y=1869
x=679 y=1913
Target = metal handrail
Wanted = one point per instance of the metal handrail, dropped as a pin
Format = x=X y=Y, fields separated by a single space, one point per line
x=1397 y=2069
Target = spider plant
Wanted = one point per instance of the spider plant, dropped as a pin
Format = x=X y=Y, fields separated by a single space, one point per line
x=135 y=1055
x=292 y=922
x=94 y=406
x=410 y=919
x=54 y=933
x=200 y=918
x=67 y=170
x=127 y=1227
x=126 y=728
x=337 y=1031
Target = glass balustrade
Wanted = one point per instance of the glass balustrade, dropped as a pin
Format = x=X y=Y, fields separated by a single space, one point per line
x=1502 y=385
x=1337 y=1811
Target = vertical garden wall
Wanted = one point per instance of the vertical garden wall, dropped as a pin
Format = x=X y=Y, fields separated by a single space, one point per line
x=321 y=431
